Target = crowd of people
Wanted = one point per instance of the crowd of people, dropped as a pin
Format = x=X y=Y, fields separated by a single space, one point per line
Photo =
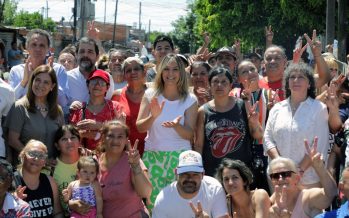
x=211 y=134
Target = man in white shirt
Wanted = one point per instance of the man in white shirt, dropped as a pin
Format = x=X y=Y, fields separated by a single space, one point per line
x=191 y=187
x=87 y=55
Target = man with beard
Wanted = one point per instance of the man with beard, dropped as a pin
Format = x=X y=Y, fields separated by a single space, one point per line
x=193 y=194
x=38 y=44
x=116 y=58
x=87 y=55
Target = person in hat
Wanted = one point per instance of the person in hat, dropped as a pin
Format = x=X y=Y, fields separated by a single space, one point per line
x=193 y=194
x=11 y=206
x=227 y=57
x=90 y=116
x=256 y=59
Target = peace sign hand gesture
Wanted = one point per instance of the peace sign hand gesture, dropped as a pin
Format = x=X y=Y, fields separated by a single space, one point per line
x=297 y=53
x=198 y=212
x=314 y=44
x=280 y=206
x=314 y=155
x=133 y=154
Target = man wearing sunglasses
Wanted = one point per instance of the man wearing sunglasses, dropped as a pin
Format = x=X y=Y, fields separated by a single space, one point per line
x=290 y=199
x=11 y=205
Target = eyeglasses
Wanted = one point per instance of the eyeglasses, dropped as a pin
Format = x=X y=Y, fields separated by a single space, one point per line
x=36 y=155
x=99 y=81
x=283 y=175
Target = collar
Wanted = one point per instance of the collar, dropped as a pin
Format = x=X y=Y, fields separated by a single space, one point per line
x=10 y=203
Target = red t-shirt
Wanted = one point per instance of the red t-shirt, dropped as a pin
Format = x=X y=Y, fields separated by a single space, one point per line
x=131 y=110
x=275 y=86
x=111 y=110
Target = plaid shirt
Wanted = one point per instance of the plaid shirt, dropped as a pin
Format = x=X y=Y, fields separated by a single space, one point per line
x=14 y=207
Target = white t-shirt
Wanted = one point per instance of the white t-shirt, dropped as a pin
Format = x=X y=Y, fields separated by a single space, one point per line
x=7 y=98
x=160 y=138
x=77 y=88
x=211 y=195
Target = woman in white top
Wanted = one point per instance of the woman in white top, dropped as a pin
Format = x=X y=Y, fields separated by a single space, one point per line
x=295 y=119
x=168 y=114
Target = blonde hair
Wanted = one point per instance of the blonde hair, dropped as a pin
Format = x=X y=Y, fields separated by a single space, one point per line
x=31 y=143
x=182 y=84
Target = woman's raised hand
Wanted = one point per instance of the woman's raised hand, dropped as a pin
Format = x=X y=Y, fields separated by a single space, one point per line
x=155 y=107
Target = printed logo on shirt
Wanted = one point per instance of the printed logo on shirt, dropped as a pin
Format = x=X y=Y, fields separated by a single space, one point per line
x=225 y=137
x=39 y=207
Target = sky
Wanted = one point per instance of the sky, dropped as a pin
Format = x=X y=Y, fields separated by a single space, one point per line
x=160 y=12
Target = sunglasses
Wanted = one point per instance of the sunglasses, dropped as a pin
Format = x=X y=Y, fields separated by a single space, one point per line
x=284 y=175
x=36 y=155
x=100 y=82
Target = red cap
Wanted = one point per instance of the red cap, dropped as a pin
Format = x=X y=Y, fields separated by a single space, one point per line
x=101 y=74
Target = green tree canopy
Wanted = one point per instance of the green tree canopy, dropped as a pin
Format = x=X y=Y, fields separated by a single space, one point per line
x=34 y=20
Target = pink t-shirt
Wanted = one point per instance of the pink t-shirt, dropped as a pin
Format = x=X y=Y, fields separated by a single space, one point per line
x=119 y=197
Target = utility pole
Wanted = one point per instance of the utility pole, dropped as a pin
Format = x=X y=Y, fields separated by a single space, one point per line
x=330 y=25
x=139 y=21
x=105 y=12
x=47 y=9
x=75 y=18
x=342 y=30
x=116 y=12
x=82 y=16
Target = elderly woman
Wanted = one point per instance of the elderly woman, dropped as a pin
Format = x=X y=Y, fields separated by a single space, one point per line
x=130 y=97
x=36 y=115
x=11 y=206
x=236 y=178
x=168 y=114
x=298 y=117
x=291 y=199
x=90 y=116
x=199 y=80
x=225 y=125
x=38 y=189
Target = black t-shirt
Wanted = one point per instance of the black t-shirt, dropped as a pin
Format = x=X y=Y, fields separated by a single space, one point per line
x=226 y=135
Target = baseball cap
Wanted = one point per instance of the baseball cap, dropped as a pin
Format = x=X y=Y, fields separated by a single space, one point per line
x=254 y=54
x=100 y=74
x=4 y=163
x=228 y=50
x=190 y=161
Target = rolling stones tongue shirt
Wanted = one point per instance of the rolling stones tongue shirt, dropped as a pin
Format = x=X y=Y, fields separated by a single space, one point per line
x=226 y=135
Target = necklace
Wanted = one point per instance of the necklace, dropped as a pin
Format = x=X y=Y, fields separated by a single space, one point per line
x=42 y=109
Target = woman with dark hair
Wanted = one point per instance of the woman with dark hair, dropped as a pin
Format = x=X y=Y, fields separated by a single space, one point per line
x=225 y=125
x=89 y=116
x=36 y=115
x=236 y=178
x=199 y=80
x=168 y=114
x=66 y=152
x=296 y=118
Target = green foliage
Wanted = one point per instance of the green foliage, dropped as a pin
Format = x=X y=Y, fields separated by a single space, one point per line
x=154 y=34
x=227 y=21
x=9 y=12
x=34 y=20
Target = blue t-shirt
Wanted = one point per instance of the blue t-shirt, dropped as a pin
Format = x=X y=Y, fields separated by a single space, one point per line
x=342 y=212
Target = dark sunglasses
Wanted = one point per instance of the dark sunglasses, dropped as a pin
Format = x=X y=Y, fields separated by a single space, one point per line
x=284 y=175
x=36 y=155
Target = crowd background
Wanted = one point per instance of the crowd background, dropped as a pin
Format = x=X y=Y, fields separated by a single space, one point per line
x=272 y=130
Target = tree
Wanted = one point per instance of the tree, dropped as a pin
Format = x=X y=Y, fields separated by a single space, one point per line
x=34 y=20
x=246 y=19
x=9 y=12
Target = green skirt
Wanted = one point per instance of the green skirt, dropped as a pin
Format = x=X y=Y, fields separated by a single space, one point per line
x=161 y=167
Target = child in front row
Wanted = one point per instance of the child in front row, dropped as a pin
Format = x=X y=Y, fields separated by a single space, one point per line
x=86 y=188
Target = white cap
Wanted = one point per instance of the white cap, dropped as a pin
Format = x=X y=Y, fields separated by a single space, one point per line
x=190 y=161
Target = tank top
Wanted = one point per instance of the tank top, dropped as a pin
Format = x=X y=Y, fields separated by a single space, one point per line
x=84 y=193
x=131 y=110
x=40 y=200
x=226 y=135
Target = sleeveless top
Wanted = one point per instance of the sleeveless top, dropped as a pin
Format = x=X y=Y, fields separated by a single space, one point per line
x=131 y=110
x=298 y=211
x=40 y=200
x=84 y=193
x=226 y=135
